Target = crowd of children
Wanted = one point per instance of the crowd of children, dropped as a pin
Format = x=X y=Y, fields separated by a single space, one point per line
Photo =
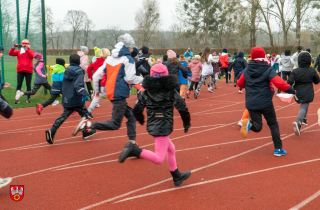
x=165 y=84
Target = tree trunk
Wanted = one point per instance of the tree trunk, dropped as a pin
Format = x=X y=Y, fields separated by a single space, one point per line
x=298 y=33
x=253 y=24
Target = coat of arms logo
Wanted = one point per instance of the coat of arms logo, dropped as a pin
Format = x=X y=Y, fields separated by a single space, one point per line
x=16 y=192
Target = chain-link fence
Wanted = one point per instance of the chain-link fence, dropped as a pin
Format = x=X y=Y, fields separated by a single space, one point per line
x=20 y=19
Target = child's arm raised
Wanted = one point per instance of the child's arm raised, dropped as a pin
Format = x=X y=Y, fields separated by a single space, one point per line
x=138 y=109
x=181 y=106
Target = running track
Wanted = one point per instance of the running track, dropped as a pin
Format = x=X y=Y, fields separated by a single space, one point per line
x=228 y=172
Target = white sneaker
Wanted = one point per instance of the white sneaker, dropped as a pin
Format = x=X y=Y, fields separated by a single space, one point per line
x=240 y=123
x=210 y=90
x=4 y=182
x=18 y=95
x=56 y=102
x=240 y=92
x=98 y=105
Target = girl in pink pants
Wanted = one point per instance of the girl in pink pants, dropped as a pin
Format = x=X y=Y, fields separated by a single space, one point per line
x=160 y=97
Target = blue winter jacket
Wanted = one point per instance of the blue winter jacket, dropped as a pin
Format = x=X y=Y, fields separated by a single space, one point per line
x=187 y=55
x=73 y=88
x=182 y=80
x=57 y=78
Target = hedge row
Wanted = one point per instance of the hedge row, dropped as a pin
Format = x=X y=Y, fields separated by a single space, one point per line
x=270 y=50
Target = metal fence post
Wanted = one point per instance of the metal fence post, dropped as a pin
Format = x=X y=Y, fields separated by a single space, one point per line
x=27 y=22
x=1 y=43
x=44 y=37
x=18 y=22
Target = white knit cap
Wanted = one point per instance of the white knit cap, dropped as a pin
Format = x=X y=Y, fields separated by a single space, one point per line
x=127 y=40
x=84 y=49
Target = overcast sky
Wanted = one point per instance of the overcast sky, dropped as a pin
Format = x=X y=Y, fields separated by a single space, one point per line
x=111 y=12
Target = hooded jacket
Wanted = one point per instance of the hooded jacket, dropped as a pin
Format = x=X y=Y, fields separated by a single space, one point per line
x=286 y=63
x=174 y=69
x=239 y=64
x=302 y=78
x=257 y=79
x=195 y=67
x=184 y=81
x=73 y=88
x=39 y=70
x=145 y=54
x=216 y=64
x=119 y=71
x=24 y=60
x=224 y=60
x=160 y=97
x=57 y=78
x=84 y=63
x=92 y=68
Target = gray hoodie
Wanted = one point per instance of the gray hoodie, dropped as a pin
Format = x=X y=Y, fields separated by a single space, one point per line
x=286 y=63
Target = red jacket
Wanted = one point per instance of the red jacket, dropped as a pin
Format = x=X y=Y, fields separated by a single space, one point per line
x=24 y=60
x=94 y=66
x=224 y=61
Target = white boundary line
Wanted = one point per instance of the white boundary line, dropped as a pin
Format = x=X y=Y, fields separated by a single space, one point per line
x=305 y=202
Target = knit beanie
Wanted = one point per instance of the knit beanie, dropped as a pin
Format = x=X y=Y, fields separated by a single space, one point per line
x=159 y=69
x=127 y=40
x=225 y=50
x=96 y=51
x=75 y=58
x=135 y=52
x=257 y=52
x=84 y=49
x=273 y=55
x=214 y=53
x=171 y=54
x=60 y=61
x=159 y=60
x=37 y=56
x=145 y=50
x=287 y=52
x=219 y=54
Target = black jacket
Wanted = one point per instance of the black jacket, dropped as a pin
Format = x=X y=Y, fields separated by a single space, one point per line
x=174 y=69
x=317 y=64
x=239 y=64
x=145 y=64
x=73 y=88
x=138 y=63
x=259 y=92
x=160 y=97
x=303 y=79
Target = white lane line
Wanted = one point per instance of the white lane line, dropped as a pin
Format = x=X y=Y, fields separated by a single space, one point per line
x=220 y=112
x=218 y=108
x=225 y=178
x=187 y=149
x=195 y=170
x=306 y=201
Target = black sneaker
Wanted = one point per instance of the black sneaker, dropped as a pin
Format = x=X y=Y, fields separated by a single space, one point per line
x=28 y=101
x=129 y=150
x=86 y=135
x=17 y=102
x=304 y=122
x=296 y=128
x=90 y=115
x=50 y=135
x=179 y=177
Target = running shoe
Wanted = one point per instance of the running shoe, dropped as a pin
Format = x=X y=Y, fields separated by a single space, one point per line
x=39 y=108
x=195 y=95
x=90 y=115
x=240 y=92
x=4 y=182
x=179 y=177
x=56 y=102
x=304 y=122
x=188 y=93
x=215 y=86
x=87 y=134
x=28 y=101
x=50 y=135
x=16 y=102
x=279 y=152
x=210 y=90
x=240 y=123
x=82 y=126
x=18 y=95
x=246 y=125
x=296 y=128
x=98 y=105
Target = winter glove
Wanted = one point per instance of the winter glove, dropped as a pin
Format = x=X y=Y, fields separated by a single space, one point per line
x=186 y=127
x=85 y=98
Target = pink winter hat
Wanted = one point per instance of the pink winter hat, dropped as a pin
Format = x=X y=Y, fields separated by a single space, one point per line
x=37 y=56
x=159 y=69
x=214 y=53
x=219 y=53
x=159 y=60
x=171 y=54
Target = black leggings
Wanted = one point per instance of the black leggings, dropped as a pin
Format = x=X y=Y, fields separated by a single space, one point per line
x=285 y=75
x=50 y=101
x=37 y=87
x=89 y=87
x=20 y=77
x=195 y=84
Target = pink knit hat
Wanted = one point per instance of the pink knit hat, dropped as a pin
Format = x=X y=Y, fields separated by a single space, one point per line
x=219 y=53
x=159 y=60
x=159 y=69
x=214 y=53
x=171 y=54
x=37 y=56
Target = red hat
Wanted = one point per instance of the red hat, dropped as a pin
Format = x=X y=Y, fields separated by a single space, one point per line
x=273 y=55
x=257 y=52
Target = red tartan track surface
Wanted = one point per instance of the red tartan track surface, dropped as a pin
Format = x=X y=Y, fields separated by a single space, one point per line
x=228 y=172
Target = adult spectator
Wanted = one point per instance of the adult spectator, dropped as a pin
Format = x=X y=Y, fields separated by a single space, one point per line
x=295 y=57
x=188 y=54
x=145 y=67
x=24 y=65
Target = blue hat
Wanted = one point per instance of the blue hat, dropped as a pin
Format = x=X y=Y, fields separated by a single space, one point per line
x=1 y=48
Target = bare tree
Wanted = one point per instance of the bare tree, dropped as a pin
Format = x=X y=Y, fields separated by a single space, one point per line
x=76 y=19
x=267 y=17
x=88 y=26
x=58 y=32
x=147 y=21
x=112 y=33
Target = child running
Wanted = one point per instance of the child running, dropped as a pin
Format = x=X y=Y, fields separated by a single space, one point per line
x=57 y=78
x=40 y=78
x=195 y=67
x=257 y=79
x=74 y=95
x=303 y=78
x=92 y=68
x=207 y=70
x=160 y=97
x=183 y=82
